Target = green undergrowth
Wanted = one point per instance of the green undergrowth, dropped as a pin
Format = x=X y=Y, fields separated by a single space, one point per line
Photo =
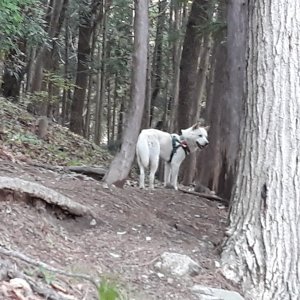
x=60 y=147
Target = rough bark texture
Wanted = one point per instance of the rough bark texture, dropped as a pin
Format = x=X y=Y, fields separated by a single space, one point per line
x=88 y=21
x=191 y=161
x=120 y=166
x=157 y=65
x=83 y=56
x=43 y=58
x=187 y=104
x=263 y=247
x=188 y=100
x=217 y=164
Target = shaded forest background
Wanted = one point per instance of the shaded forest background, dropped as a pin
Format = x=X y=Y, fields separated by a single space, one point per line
x=71 y=61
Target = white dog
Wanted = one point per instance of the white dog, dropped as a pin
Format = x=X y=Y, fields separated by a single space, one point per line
x=172 y=148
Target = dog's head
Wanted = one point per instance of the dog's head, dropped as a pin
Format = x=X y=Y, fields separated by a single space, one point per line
x=196 y=135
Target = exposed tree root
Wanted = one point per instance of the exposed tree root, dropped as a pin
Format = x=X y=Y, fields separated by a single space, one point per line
x=207 y=196
x=48 y=195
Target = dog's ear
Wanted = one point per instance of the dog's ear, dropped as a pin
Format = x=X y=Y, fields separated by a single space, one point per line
x=206 y=128
x=196 y=126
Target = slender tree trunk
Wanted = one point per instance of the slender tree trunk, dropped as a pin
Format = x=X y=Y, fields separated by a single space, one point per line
x=98 y=111
x=90 y=87
x=114 y=114
x=88 y=22
x=176 y=54
x=263 y=246
x=147 y=107
x=109 y=111
x=84 y=52
x=64 y=113
x=43 y=56
x=157 y=58
x=120 y=166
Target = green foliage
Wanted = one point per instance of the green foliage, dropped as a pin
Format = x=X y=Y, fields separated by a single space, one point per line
x=24 y=138
x=20 y=19
x=107 y=291
x=48 y=276
x=58 y=81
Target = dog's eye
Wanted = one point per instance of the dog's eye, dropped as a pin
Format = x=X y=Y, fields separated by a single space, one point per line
x=200 y=135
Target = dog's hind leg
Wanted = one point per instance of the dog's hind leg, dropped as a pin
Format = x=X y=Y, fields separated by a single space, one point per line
x=142 y=177
x=153 y=168
x=142 y=155
x=154 y=162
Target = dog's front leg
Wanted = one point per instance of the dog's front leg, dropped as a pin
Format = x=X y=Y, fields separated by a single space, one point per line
x=174 y=175
x=167 y=174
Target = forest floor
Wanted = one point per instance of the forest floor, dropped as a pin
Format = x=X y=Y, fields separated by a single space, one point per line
x=133 y=227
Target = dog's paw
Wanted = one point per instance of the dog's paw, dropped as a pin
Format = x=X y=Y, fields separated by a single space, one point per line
x=170 y=186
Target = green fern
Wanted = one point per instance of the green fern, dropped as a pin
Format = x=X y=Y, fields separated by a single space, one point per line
x=107 y=291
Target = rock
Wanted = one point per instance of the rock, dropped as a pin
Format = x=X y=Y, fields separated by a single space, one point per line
x=207 y=293
x=177 y=264
x=19 y=283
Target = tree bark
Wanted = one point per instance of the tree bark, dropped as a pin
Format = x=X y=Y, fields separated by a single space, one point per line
x=263 y=246
x=191 y=161
x=83 y=58
x=120 y=166
x=157 y=64
x=187 y=104
x=43 y=57
x=176 y=54
x=88 y=22
x=217 y=165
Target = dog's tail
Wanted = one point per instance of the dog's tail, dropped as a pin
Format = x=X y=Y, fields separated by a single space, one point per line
x=142 y=151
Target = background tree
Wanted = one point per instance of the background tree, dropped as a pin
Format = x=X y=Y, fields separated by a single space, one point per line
x=263 y=243
x=120 y=166
x=21 y=28
x=90 y=16
x=224 y=106
x=188 y=103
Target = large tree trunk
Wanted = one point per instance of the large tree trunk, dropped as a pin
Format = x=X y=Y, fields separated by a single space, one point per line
x=263 y=247
x=120 y=166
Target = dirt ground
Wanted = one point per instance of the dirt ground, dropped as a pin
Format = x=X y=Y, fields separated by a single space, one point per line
x=133 y=228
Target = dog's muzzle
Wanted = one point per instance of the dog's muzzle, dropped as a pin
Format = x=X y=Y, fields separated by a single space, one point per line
x=201 y=146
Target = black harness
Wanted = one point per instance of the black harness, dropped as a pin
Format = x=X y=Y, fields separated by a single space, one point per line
x=176 y=144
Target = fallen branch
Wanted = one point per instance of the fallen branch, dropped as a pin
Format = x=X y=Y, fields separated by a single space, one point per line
x=94 y=172
x=207 y=196
x=48 y=195
x=31 y=261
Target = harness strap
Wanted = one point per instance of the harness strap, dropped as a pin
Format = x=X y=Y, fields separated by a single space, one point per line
x=176 y=144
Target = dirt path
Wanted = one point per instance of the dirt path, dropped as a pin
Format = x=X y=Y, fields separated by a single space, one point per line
x=133 y=228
